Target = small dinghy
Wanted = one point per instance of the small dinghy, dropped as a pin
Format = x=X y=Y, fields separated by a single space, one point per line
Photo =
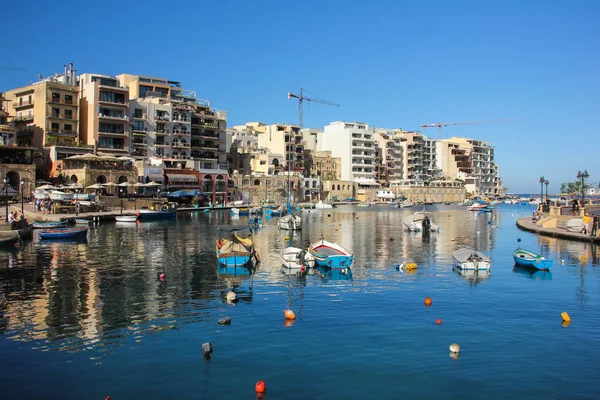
x=468 y=259
x=126 y=218
x=529 y=259
x=330 y=255
x=293 y=257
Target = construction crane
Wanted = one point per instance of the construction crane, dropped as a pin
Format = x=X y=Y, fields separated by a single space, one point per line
x=301 y=98
x=440 y=124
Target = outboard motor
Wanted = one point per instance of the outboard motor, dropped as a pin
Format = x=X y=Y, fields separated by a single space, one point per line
x=302 y=257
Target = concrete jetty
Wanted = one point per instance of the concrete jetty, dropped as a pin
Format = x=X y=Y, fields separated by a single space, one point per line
x=555 y=226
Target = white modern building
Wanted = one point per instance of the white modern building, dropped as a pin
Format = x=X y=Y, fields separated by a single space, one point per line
x=354 y=144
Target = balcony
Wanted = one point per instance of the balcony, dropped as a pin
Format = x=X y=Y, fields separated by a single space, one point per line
x=162 y=117
x=183 y=120
x=182 y=133
x=140 y=141
x=23 y=105
x=142 y=116
x=23 y=118
x=140 y=132
x=161 y=144
x=113 y=147
x=181 y=145
x=55 y=100
x=119 y=103
x=113 y=117
x=62 y=133
x=161 y=133
x=62 y=116
x=117 y=134
x=201 y=145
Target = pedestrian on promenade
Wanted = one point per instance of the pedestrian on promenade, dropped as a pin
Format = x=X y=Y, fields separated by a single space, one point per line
x=575 y=207
x=595 y=224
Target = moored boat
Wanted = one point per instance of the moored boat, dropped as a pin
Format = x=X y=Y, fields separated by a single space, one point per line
x=290 y=222
x=529 y=259
x=126 y=218
x=470 y=259
x=481 y=206
x=419 y=221
x=330 y=255
x=81 y=221
x=57 y=195
x=63 y=233
x=159 y=211
x=49 y=225
x=293 y=257
x=235 y=245
x=321 y=206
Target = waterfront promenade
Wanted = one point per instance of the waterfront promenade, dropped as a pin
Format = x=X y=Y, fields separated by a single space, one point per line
x=528 y=224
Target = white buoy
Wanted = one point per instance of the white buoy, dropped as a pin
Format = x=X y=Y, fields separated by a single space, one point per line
x=454 y=348
x=231 y=297
x=562 y=261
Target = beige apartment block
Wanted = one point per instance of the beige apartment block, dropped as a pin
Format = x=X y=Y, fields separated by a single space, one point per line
x=7 y=127
x=287 y=140
x=325 y=166
x=46 y=113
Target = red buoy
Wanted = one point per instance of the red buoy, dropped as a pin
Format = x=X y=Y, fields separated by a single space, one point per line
x=261 y=387
x=438 y=321
x=162 y=277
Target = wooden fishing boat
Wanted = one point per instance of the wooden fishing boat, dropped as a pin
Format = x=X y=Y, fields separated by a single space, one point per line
x=63 y=233
x=295 y=258
x=330 y=255
x=468 y=259
x=235 y=245
x=529 y=259
x=49 y=225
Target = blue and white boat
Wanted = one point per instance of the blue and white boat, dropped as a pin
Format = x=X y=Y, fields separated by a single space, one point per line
x=63 y=233
x=330 y=255
x=235 y=245
x=529 y=259
x=158 y=211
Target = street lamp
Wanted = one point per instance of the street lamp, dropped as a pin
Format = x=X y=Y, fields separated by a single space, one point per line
x=583 y=176
x=158 y=194
x=6 y=195
x=121 y=199
x=546 y=183
x=22 y=185
x=541 y=181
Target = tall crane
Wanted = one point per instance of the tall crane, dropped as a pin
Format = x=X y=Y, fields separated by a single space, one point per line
x=440 y=124
x=301 y=98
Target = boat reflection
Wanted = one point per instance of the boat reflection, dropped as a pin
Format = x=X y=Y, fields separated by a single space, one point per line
x=335 y=274
x=473 y=276
x=235 y=276
x=234 y=271
x=537 y=274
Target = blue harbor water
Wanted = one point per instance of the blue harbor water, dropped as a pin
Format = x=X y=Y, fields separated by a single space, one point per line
x=86 y=320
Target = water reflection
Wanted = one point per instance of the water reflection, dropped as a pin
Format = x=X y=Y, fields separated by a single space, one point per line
x=473 y=276
x=537 y=274
x=334 y=274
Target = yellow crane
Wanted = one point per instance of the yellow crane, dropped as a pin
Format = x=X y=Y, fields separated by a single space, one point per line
x=439 y=125
x=301 y=98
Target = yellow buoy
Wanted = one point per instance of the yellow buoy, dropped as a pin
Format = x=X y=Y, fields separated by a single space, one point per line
x=287 y=238
x=565 y=317
x=409 y=266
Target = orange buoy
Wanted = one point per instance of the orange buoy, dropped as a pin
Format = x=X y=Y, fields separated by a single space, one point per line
x=427 y=301
x=260 y=387
x=438 y=321
x=289 y=314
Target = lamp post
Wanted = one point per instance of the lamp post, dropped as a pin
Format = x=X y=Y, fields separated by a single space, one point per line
x=158 y=194
x=583 y=176
x=6 y=195
x=22 y=199
x=546 y=183
x=121 y=199
x=541 y=181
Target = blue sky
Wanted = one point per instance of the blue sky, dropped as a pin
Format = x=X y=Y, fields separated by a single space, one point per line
x=388 y=63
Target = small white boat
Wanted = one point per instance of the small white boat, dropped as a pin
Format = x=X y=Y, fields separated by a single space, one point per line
x=290 y=222
x=320 y=205
x=477 y=207
x=40 y=194
x=57 y=195
x=126 y=218
x=419 y=221
x=468 y=259
x=81 y=221
x=293 y=257
x=405 y=204
x=364 y=205
x=575 y=225
x=235 y=211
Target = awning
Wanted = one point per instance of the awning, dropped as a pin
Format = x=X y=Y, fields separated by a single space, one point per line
x=182 y=178
x=156 y=177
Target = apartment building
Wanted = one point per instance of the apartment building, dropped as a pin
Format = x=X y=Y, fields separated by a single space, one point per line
x=391 y=164
x=7 y=126
x=104 y=111
x=472 y=161
x=287 y=140
x=354 y=144
x=46 y=113
x=310 y=136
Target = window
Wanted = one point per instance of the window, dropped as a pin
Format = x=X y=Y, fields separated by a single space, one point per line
x=138 y=125
x=55 y=112
x=138 y=113
x=69 y=114
x=54 y=127
x=55 y=97
x=68 y=128
x=207 y=166
x=263 y=162
x=144 y=90
x=68 y=99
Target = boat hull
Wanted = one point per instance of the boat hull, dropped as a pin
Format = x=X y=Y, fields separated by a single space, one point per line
x=126 y=218
x=295 y=258
x=290 y=223
x=49 y=225
x=64 y=233
x=330 y=255
x=234 y=259
x=151 y=215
